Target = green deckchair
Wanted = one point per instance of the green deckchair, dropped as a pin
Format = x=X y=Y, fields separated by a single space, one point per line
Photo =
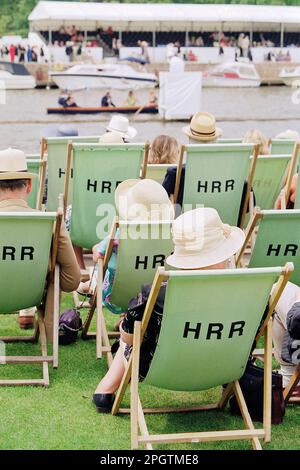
x=215 y=175
x=209 y=323
x=277 y=240
x=56 y=165
x=282 y=146
x=268 y=178
x=143 y=247
x=34 y=166
x=97 y=170
x=26 y=245
x=157 y=172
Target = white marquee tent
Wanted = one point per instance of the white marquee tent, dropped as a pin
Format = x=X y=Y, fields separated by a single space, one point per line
x=48 y=16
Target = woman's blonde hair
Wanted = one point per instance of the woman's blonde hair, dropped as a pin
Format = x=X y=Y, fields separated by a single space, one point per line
x=254 y=136
x=164 y=149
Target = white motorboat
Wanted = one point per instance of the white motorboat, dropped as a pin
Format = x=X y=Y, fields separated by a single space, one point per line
x=290 y=77
x=121 y=77
x=232 y=74
x=15 y=77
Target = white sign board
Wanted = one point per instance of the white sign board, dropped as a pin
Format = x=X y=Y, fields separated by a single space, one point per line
x=179 y=94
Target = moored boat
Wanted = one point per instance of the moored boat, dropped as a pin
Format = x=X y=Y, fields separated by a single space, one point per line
x=290 y=77
x=232 y=74
x=117 y=76
x=15 y=77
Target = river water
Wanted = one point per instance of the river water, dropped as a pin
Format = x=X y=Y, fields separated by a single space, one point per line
x=272 y=109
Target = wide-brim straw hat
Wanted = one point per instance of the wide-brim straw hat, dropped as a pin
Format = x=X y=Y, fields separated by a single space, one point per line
x=203 y=128
x=143 y=200
x=13 y=165
x=202 y=240
x=120 y=124
x=111 y=138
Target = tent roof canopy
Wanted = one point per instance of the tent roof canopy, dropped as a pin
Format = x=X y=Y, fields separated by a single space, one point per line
x=140 y=16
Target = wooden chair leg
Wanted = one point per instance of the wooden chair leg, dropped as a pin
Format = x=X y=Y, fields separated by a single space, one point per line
x=122 y=389
x=245 y=414
x=56 y=317
x=134 y=386
x=267 y=411
x=44 y=348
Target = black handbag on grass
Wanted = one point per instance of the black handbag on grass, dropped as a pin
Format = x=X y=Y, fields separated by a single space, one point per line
x=252 y=385
x=69 y=325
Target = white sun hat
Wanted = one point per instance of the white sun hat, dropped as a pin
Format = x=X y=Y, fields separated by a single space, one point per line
x=143 y=200
x=120 y=124
x=201 y=239
x=203 y=128
x=288 y=134
x=111 y=138
x=13 y=165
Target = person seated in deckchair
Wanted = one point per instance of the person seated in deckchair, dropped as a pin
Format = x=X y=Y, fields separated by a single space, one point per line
x=136 y=200
x=15 y=186
x=255 y=136
x=202 y=129
x=164 y=150
x=292 y=195
x=201 y=241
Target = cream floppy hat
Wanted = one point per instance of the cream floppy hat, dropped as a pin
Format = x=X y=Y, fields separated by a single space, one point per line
x=13 y=165
x=203 y=128
x=143 y=200
x=201 y=239
x=120 y=124
x=289 y=134
x=111 y=138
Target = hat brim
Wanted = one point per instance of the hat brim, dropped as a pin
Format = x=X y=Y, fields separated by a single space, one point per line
x=17 y=175
x=123 y=201
x=187 y=131
x=130 y=134
x=227 y=249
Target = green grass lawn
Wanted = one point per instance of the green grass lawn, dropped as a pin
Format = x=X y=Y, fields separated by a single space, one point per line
x=63 y=416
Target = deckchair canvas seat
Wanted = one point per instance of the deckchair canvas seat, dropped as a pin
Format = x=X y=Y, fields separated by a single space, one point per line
x=57 y=148
x=142 y=248
x=26 y=244
x=97 y=171
x=268 y=178
x=215 y=175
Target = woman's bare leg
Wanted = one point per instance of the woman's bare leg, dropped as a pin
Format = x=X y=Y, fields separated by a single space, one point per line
x=112 y=379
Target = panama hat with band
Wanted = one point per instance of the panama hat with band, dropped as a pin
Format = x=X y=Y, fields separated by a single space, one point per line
x=201 y=239
x=143 y=200
x=13 y=165
x=120 y=124
x=111 y=138
x=203 y=128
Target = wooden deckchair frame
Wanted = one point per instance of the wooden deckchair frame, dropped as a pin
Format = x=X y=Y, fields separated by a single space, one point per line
x=249 y=179
x=39 y=330
x=42 y=174
x=137 y=412
x=102 y=335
